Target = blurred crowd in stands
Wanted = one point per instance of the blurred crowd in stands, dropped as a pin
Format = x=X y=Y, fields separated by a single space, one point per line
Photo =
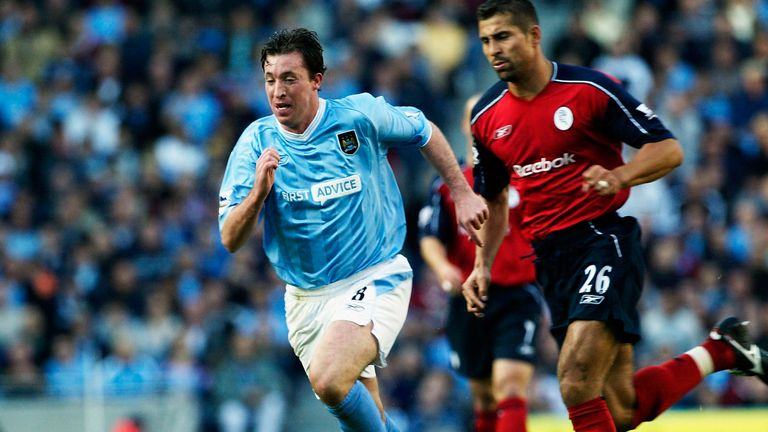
x=117 y=117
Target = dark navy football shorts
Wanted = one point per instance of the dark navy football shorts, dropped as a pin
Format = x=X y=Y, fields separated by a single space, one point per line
x=507 y=331
x=593 y=271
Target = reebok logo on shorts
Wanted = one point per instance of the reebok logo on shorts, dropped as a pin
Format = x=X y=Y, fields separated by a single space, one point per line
x=358 y=306
x=591 y=299
x=354 y=307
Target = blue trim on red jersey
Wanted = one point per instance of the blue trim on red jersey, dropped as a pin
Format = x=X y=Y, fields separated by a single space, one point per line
x=626 y=112
x=486 y=101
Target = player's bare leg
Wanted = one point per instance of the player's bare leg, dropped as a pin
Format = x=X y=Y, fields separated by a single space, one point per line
x=586 y=357
x=339 y=358
x=510 y=389
x=482 y=396
x=619 y=388
x=511 y=378
x=483 y=405
x=341 y=355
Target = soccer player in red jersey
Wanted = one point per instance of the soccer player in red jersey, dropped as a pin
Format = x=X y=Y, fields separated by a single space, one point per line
x=556 y=131
x=496 y=351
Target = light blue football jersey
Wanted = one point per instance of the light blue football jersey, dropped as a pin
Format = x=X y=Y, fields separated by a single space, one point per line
x=335 y=208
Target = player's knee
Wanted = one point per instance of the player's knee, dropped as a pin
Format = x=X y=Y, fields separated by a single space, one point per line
x=576 y=385
x=509 y=389
x=483 y=399
x=328 y=388
x=575 y=393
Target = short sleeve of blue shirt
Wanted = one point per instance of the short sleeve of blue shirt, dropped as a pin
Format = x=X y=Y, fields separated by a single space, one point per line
x=240 y=173
x=396 y=126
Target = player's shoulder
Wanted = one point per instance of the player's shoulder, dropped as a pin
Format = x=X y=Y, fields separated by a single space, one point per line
x=258 y=128
x=373 y=108
x=488 y=100
x=357 y=101
x=262 y=124
x=572 y=74
x=356 y=105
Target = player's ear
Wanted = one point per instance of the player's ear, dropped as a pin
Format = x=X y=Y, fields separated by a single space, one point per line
x=535 y=34
x=317 y=81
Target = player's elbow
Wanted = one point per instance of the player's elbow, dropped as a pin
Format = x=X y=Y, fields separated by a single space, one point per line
x=229 y=242
x=228 y=245
x=676 y=155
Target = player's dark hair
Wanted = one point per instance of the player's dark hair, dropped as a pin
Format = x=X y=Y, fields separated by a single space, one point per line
x=522 y=13
x=300 y=40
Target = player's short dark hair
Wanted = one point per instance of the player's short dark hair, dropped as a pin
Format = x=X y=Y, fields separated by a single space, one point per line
x=300 y=40
x=522 y=13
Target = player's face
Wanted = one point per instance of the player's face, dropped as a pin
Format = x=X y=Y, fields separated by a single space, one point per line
x=509 y=50
x=292 y=93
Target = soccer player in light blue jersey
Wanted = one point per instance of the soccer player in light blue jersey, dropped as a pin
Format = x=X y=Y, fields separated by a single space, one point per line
x=316 y=171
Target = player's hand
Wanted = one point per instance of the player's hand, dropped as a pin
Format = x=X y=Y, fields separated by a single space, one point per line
x=450 y=278
x=265 y=171
x=471 y=213
x=475 y=290
x=601 y=180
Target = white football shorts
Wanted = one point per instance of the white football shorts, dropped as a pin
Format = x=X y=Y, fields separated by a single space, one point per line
x=356 y=298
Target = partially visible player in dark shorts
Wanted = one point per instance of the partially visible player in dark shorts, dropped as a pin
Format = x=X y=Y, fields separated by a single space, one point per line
x=508 y=330
x=556 y=132
x=496 y=351
x=593 y=271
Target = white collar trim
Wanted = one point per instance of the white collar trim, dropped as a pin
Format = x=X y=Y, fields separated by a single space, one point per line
x=310 y=129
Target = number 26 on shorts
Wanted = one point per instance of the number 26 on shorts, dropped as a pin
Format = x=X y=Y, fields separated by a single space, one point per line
x=601 y=279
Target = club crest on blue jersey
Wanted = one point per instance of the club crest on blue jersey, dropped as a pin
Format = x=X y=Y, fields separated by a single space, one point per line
x=348 y=142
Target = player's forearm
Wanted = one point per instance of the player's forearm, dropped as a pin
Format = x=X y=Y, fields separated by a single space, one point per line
x=439 y=153
x=238 y=226
x=494 y=230
x=652 y=161
x=434 y=253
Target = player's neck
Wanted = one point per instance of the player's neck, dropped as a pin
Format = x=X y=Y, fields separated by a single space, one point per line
x=303 y=125
x=540 y=75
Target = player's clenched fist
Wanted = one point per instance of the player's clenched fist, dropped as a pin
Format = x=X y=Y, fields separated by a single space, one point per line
x=265 y=170
x=471 y=213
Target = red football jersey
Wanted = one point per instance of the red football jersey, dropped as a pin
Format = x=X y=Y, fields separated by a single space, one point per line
x=514 y=261
x=544 y=145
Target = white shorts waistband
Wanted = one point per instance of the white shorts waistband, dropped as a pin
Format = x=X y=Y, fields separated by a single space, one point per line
x=398 y=264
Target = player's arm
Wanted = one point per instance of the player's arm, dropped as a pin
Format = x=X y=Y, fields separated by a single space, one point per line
x=471 y=211
x=238 y=225
x=437 y=230
x=436 y=256
x=494 y=230
x=633 y=123
x=407 y=126
x=652 y=161
x=492 y=234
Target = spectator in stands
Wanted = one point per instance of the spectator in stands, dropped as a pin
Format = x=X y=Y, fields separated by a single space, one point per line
x=249 y=388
